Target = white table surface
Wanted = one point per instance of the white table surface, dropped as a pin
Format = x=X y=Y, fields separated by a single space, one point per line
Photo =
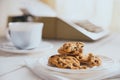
x=11 y=65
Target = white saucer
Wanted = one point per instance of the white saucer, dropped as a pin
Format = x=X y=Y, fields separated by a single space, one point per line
x=106 y=65
x=9 y=47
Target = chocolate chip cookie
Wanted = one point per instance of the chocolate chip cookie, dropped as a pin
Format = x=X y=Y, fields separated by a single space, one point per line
x=93 y=60
x=89 y=60
x=63 y=61
x=71 y=48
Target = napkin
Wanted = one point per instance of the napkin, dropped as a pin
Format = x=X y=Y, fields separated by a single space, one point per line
x=46 y=74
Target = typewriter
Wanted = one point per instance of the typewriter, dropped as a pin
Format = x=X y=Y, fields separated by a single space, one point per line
x=60 y=28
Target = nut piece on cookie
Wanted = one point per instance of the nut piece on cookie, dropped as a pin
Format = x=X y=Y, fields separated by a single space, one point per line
x=62 y=61
x=71 y=48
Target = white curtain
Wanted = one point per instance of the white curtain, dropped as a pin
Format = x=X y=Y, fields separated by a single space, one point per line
x=98 y=12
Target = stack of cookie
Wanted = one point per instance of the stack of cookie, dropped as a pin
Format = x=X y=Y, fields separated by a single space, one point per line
x=70 y=56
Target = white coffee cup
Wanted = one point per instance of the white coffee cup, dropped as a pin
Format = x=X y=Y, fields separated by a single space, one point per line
x=25 y=35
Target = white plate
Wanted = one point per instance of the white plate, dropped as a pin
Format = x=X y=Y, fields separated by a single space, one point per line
x=9 y=47
x=106 y=64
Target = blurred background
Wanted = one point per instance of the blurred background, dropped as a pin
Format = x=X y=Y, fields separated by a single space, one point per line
x=104 y=13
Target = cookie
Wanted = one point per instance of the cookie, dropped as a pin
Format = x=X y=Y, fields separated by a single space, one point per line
x=93 y=60
x=66 y=62
x=71 y=48
x=89 y=60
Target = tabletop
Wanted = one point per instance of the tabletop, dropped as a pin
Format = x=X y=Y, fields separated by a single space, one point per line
x=11 y=64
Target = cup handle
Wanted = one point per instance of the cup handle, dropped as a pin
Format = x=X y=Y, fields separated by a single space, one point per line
x=8 y=34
